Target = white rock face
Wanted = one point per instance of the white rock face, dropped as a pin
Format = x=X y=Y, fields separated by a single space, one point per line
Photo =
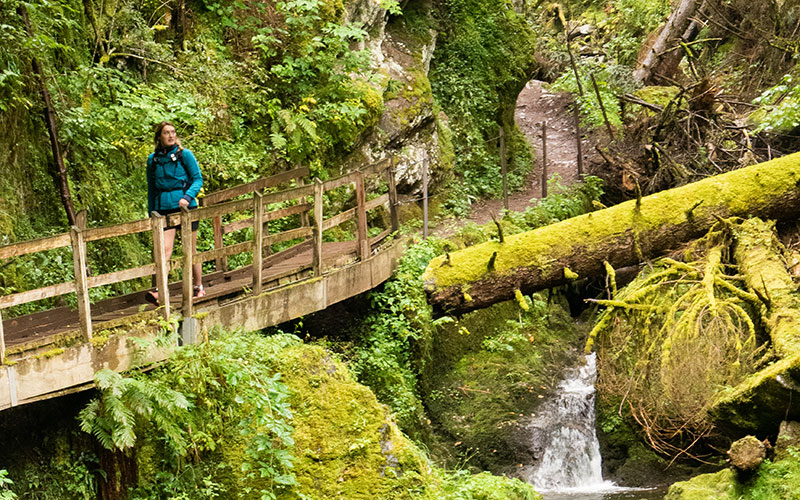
x=407 y=127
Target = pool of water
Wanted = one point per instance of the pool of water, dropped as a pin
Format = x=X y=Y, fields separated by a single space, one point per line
x=612 y=494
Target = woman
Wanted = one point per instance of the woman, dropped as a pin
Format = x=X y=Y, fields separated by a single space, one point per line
x=173 y=181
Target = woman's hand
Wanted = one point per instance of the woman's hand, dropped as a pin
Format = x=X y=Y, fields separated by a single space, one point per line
x=183 y=203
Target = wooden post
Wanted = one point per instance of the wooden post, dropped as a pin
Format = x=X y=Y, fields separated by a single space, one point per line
x=578 y=139
x=544 y=159
x=574 y=67
x=503 y=167
x=362 y=242
x=602 y=108
x=392 y=196
x=258 y=242
x=186 y=243
x=81 y=284
x=221 y=262
x=317 y=258
x=425 y=198
x=2 y=340
x=160 y=259
x=304 y=215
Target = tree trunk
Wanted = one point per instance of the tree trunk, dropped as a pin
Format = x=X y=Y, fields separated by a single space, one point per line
x=655 y=61
x=58 y=170
x=623 y=235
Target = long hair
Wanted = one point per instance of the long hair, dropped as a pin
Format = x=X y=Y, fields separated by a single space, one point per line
x=157 y=135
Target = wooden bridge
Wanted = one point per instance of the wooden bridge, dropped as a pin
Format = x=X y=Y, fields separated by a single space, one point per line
x=53 y=352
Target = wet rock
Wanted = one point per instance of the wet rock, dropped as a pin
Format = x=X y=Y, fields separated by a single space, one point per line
x=788 y=437
x=747 y=454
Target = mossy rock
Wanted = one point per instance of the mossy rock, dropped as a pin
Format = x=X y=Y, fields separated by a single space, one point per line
x=718 y=486
x=773 y=480
x=346 y=445
x=484 y=399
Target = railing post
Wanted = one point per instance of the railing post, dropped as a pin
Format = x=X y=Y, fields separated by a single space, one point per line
x=221 y=262
x=503 y=170
x=392 y=196
x=317 y=260
x=303 y=215
x=362 y=243
x=2 y=341
x=160 y=259
x=186 y=243
x=81 y=284
x=258 y=241
x=544 y=159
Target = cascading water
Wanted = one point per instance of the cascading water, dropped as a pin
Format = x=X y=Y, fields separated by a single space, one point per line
x=564 y=431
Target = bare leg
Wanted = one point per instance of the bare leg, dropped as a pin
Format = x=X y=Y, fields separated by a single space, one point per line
x=169 y=242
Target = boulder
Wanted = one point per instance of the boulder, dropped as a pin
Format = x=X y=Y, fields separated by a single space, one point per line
x=747 y=454
x=788 y=437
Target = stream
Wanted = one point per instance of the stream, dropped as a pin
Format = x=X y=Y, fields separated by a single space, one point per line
x=570 y=464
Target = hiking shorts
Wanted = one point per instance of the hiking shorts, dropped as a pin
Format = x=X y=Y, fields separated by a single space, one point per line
x=195 y=224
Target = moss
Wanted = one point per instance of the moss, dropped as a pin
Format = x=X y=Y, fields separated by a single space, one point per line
x=487 y=383
x=657 y=95
x=718 y=486
x=346 y=445
x=774 y=481
x=51 y=353
x=737 y=193
x=100 y=338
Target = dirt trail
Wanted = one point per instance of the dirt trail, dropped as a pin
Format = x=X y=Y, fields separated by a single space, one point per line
x=534 y=105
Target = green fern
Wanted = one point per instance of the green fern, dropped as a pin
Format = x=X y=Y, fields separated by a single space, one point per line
x=126 y=401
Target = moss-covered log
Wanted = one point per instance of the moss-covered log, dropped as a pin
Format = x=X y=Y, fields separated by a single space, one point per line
x=759 y=255
x=765 y=398
x=623 y=235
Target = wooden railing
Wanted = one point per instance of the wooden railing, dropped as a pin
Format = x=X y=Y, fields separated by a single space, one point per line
x=215 y=206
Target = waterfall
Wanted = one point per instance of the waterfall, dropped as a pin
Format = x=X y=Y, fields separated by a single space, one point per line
x=565 y=434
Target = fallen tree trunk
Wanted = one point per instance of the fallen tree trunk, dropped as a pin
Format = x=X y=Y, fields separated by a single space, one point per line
x=623 y=235
x=764 y=398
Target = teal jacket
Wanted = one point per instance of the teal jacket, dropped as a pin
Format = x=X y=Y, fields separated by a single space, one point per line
x=168 y=180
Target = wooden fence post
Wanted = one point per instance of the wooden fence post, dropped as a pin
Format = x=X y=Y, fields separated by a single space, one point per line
x=160 y=259
x=425 y=198
x=503 y=167
x=304 y=215
x=544 y=159
x=81 y=284
x=221 y=262
x=2 y=340
x=362 y=243
x=392 y=196
x=258 y=242
x=602 y=108
x=186 y=243
x=317 y=259
x=578 y=139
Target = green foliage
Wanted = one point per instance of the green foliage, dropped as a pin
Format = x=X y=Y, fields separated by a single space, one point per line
x=5 y=486
x=222 y=392
x=124 y=402
x=464 y=486
x=589 y=105
x=779 y=107
x=394 y=339
x=629 y=24
x=483 y=57
x=562 y=202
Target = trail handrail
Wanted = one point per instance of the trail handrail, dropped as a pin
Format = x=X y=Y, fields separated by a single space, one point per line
x=214 y=206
